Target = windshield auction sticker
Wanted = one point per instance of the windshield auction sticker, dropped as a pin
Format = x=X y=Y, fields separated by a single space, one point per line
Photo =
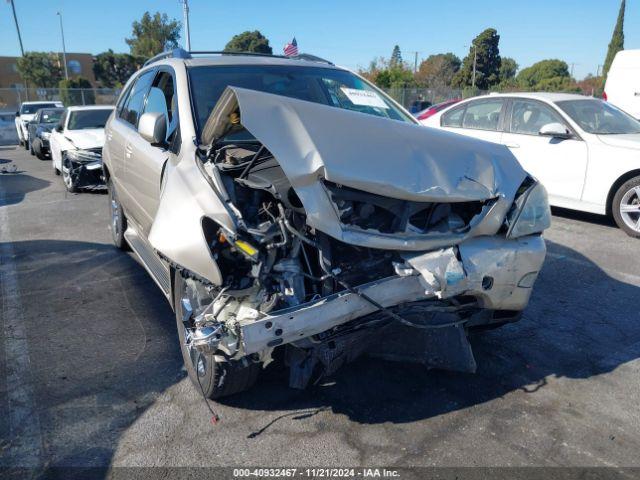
x=365 y=98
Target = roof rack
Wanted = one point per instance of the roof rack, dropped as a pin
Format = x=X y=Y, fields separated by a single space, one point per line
x=181 y=53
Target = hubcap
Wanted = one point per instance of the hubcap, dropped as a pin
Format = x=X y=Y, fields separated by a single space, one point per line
x=115 y=213
x=630 y=208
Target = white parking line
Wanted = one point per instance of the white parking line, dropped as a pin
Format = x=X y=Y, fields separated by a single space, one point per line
x=25 y=438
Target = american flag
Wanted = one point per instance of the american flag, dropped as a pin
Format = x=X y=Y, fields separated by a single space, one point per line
x=291 y=49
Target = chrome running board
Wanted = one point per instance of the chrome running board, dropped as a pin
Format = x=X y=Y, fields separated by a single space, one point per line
x=158 y=269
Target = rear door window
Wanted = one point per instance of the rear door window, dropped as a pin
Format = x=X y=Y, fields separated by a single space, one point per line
x=483 y=115
x=453 y=118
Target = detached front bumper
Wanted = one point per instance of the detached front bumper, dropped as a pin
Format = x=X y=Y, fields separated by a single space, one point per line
x=499 y=273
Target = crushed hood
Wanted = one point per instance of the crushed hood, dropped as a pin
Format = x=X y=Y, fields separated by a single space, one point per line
x=90 y=138
x=391 y=158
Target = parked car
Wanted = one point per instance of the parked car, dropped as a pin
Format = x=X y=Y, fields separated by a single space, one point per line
x=433 y=109
x=40 y=130
x=338 y=226
x=25 y=114
x=586 y=152
x=76 y=145
x=8 y=133
x=622 y=88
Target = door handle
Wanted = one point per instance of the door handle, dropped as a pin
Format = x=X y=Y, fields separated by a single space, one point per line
x=128 y=151
x=512 y=145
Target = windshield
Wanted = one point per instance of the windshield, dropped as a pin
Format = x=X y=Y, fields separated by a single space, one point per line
x=598 y=117
x=84 y=119
x=32 y=108
x=328 y=86
x=51 y=116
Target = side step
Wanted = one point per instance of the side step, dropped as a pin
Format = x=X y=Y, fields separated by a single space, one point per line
x=158 y=270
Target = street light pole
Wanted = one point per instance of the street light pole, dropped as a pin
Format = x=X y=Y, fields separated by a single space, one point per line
x=185 y=14
x=64 y=49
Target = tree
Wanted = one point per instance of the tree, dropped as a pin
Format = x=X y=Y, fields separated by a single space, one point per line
x=153 y=35
x=544 y=74
x=40 y=69
x=617 y=40
x=385 y=75
x=487 y=62
x=396 y=57
x=71 y=95
x=249 y=42
x=438 y=70
x=114 y=69
x=508 y=69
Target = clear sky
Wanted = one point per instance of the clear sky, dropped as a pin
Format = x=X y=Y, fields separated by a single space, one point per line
x=349 y=32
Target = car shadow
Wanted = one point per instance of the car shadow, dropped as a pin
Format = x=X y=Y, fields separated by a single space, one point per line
x=102 y=345
x=584 y=216
x=567 y=331
x=110 y=349
x=16 y=185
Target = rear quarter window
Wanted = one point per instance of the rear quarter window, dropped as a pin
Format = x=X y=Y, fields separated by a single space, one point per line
x=453 y=118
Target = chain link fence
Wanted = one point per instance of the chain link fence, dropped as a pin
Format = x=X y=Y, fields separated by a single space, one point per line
x=11 y=98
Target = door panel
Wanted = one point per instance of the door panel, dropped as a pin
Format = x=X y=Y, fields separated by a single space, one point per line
x=143 y=161
x=559 y=164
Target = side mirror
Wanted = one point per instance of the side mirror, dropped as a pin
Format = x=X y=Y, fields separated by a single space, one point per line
x=555 y=130
x=152 y=127
x=59 y=128
x=18 y=113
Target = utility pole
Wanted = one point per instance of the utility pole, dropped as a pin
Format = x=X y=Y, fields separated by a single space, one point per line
x=64 y=48
x=185 y=15
x=15 y=19
x=475 y=61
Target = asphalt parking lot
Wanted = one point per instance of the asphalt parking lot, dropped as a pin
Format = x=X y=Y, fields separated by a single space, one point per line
x=91 y=372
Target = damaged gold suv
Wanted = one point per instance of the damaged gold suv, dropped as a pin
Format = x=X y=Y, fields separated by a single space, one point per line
x=289 y=209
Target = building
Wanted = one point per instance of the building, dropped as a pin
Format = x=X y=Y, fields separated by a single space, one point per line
x=78 y=65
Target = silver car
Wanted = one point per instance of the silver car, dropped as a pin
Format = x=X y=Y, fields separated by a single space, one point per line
x=292 y=212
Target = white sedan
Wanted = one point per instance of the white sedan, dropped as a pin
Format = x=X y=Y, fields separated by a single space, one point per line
x=76 y=145
x=585 y=151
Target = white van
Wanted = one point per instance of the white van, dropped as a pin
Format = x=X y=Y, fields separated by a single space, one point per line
x=623 y=82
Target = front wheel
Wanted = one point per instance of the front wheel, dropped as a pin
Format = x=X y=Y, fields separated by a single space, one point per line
x=626 y=207
x=212 y=377
x=69 y=177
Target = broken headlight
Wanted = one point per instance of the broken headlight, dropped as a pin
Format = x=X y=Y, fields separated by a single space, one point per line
x=530 y=212
x=83 y=156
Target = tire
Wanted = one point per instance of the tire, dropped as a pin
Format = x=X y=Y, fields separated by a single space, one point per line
x=626 y=207
x=216 y=379
x=70 y=182
x=26 y=144
x=40 y=155
x=31 y=151
x=117 y=219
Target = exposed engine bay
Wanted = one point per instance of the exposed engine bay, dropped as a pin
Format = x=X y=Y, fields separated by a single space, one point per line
x=287 y=283
x=319 y=234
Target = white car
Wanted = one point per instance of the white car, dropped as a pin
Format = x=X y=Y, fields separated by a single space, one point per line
x=76 y=145
x=623 y=82
x=585 y=151
x=25 y=114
